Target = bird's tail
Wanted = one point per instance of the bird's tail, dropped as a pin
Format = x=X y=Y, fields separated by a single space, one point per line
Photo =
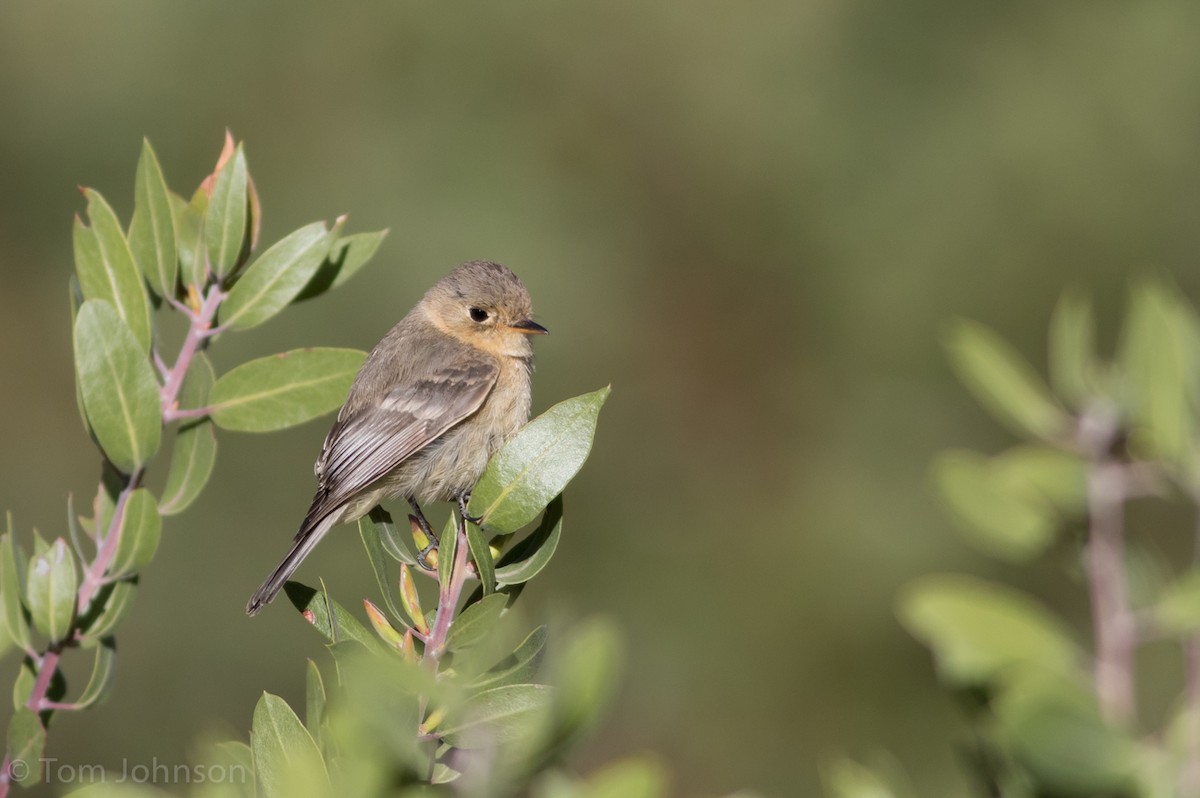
x=310 y=534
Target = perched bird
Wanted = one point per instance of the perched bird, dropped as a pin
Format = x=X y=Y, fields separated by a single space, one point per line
x=443 y=390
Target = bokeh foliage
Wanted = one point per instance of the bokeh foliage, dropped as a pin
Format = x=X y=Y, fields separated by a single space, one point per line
x=1057 y=709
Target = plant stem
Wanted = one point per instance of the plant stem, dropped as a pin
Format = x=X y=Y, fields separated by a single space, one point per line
x=94 y=574
x=448 y=596
x=198 y=332
x=1113 y=621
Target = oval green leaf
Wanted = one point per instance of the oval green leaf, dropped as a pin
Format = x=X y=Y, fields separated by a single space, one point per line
x=369 y=532
x=347 y=255
x=315 y=606
x=195 y=448
x=996 y=515
x=106 y=268
x=314 y=700
x=280 y=391
x=189 y=226
x=108 y=609
x=481 y=555
x=1159 y=371
x=1004 y=382
x=225 y=224
x=531 y=555
x=1055 y=732
x=104 y=671
x=120 y=393
x=520 y=666
x=287 y=761
x=152 y=230
x=26 y=744
x=500 y=715
x=980 y=631
x=140 y=532
x=12 y=584
x=586 y=675
x=475 y=622
x=50 y=590
x=273 y=280
x=389 y=536
x=537 y=464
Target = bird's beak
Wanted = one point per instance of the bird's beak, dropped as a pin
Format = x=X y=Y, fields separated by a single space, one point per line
x=529 y=327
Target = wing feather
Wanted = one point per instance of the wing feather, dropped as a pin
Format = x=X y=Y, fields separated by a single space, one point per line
x=369 y=443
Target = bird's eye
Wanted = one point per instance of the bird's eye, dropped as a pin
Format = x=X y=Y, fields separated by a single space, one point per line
x=478 y=314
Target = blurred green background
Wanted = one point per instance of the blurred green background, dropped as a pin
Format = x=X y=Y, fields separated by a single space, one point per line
x=753 y=219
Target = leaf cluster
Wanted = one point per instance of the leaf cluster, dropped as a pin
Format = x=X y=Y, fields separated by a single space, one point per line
x=1055 y=707
x=196 y=258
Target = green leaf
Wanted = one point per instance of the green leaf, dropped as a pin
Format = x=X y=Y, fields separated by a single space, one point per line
x=845 y=778
x=997 y=517
x=388 y=634
x=286 y=758
x=1054 y=730
x=195 y=448
x=475 y=622
x=108 y=609
x=481 y=554
x=6 y=641
x=411 y=600
x=140 y=532
x=104 y=671
x=314 y=701
x=347 y=255
x=23 y=685
x=498 y=716
x=640 y=777
x=152 y=230
x=272 y=281
x=26 y=744
x=1004 y=382
x=531 y=555
x=284 y=390
x=1158 y=364
x=537 y=464
x=389 y=536
x=315 y=606
x=369 y=531
x=76 y=297
x=225 y=225
x=586 y=674
x=1044 y=474
x=520 y=666
x=12 y=585
x=120 y=394
x=981 y=632
x=190 y=224
x=106 y=269
x=1073 y=349
x=50 y=590
x=1178 y=609
x=447 y=550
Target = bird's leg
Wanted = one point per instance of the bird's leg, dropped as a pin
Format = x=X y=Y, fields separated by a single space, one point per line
x=428 y=530
x=462 y=500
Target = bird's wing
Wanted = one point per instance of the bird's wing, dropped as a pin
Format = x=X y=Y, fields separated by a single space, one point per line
x=369 y=443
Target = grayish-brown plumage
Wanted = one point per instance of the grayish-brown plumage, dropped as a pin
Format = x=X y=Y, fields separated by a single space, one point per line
x=443 y=390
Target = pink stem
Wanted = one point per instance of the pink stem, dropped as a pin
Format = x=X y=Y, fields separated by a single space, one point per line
x=1114 y=623
x=448 y=599
x=94 y=574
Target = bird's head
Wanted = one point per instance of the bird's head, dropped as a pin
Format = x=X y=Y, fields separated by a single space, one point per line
x=485 y=305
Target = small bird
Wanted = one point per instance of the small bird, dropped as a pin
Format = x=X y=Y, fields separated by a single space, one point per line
x=443 y=390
